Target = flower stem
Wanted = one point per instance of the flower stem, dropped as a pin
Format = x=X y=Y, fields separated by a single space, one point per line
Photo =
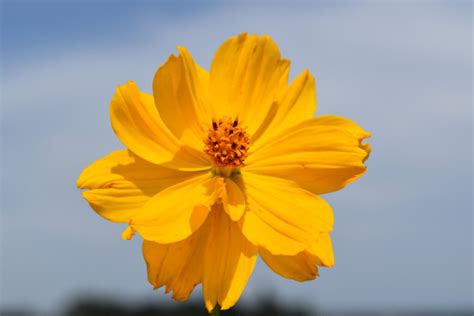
x=216 y=311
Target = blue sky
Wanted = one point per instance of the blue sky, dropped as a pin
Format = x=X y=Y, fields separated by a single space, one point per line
x=403 y=233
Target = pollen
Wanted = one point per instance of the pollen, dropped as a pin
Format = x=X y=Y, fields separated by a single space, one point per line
x=227 y=143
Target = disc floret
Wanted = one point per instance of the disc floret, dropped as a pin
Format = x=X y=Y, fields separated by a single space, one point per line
x=227 y=143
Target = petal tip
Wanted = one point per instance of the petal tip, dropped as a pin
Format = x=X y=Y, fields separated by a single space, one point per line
x=128 y=233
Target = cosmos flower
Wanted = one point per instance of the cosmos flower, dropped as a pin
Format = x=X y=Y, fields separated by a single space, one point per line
x=225 y=165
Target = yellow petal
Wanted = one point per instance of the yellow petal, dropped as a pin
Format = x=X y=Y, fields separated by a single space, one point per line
x=233 y=200
x=176 y=212
x=296 y=105
x=321 y=155
x=178 y=266
x=138 y=125
x=342 y=122
x=304 y=265
x=300 y=267
x=121 y=183
x=282 y=217
x=322 y=250
x=247 y=74
x=128 y=233
x=367 y=148
x=180 y=92
x=228 y=263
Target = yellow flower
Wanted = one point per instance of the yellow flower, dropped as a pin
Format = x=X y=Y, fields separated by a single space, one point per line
x=223 y=165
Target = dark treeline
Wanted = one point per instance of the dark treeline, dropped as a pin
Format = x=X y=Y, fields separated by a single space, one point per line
x=267 y=307
x=94 y=306
x=112 y=307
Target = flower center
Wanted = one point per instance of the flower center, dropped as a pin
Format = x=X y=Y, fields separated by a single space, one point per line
x=227 y=143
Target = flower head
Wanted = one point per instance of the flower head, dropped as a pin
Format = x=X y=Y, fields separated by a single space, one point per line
x=223 y=165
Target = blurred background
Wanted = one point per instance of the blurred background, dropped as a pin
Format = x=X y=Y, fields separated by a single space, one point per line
x=403 y=234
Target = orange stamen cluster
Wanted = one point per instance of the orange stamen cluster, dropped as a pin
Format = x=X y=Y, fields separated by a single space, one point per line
x=227 y=143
